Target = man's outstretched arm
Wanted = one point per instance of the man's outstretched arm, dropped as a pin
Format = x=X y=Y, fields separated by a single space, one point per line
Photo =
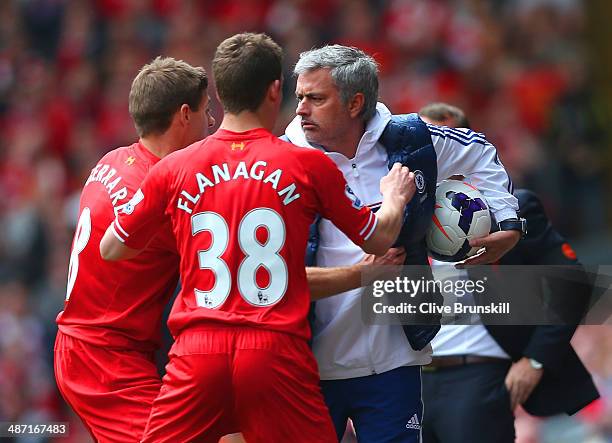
x=397 y=189
x=325 y=282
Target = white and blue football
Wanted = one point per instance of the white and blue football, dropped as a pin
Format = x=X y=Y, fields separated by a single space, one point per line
x=461 y=213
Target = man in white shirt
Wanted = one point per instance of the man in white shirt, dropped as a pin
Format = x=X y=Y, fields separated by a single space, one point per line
x=370 y=373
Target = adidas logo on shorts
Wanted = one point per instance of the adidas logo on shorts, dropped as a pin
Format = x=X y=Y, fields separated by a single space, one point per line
x=413 y=423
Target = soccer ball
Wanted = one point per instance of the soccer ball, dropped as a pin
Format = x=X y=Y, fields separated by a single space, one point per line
x=461 y=213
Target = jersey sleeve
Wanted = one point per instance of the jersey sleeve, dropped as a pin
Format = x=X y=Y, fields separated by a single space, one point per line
x=142 y=217
x=338 y=203
x=463 y=151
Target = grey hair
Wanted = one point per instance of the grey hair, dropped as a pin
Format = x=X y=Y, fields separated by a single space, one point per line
x=351 y=69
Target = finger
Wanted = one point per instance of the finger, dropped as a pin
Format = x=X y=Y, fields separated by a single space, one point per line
x=530 y=385
x=479 y=242
x=514 y=396
x=521 y=393
x=522 y=397
x=490 y=256
x=397 y=255
x=476 y=260
x=509 y=388
x=367 y=260
x=479 y=259
x=400 y=257
x=396 y=167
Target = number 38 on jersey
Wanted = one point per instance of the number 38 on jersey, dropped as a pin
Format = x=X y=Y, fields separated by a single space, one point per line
x=257 y=255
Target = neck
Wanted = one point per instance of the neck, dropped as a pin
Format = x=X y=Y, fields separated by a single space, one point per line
x=245 y=121
x=161 y=145
x=347 y=145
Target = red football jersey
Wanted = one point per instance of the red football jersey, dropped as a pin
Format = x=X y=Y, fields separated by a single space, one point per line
x=117 y=305
x=240 y=205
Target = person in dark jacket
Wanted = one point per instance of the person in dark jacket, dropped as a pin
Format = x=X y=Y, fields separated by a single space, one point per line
x=480 y=373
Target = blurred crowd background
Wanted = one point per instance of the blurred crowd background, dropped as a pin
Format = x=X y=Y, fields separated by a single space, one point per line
x=534 y=75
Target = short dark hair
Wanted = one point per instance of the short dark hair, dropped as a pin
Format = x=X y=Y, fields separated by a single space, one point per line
x=244 y=66
x=160 y=89
x=442 y=111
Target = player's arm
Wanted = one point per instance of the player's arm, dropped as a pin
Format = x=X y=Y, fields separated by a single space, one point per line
x=468 y=153
x=113 y=248
x=374 y=233
x=397 y=188
x=135 y=226
x=325 y=282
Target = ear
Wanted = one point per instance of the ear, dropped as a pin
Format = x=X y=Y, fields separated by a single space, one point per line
x=274 y=91
x=356 y=104
x=184 y=113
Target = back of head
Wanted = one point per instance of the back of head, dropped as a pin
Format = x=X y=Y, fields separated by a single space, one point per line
x=445 y=114
x=244 y=66
x=352 y=70
x=160 y=89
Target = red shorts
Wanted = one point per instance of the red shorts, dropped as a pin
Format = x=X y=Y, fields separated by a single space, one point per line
x=264 y=384
x=111 y=390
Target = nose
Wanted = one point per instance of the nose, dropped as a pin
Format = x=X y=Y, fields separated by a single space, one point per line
x=302 y=108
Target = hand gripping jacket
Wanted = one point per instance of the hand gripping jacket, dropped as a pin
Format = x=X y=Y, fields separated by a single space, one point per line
x=408 y=141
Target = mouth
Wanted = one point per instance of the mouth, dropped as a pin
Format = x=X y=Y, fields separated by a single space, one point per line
x=307 y=126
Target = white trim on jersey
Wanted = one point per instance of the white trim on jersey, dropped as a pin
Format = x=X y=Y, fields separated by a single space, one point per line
x=116 y=223
x=116 y=234
x=365 y=228
x=371 y=230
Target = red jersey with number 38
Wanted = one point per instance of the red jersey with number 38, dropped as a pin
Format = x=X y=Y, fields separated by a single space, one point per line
x=240 y=205
x=117 y=305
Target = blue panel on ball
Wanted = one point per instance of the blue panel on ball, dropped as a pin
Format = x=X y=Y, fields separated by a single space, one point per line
x=466 y=207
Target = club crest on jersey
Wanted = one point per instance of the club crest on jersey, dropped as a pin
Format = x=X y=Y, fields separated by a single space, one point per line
x=352 y=197
x=239 y=146
x=131 y=205
x=130 y=160
x=419 y=181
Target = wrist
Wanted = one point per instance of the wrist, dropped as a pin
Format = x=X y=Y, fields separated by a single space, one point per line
x=392 y=202
x=514 y=224
x=390 y=212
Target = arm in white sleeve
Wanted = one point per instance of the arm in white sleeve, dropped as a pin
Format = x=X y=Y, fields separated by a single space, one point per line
x=465 y=152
